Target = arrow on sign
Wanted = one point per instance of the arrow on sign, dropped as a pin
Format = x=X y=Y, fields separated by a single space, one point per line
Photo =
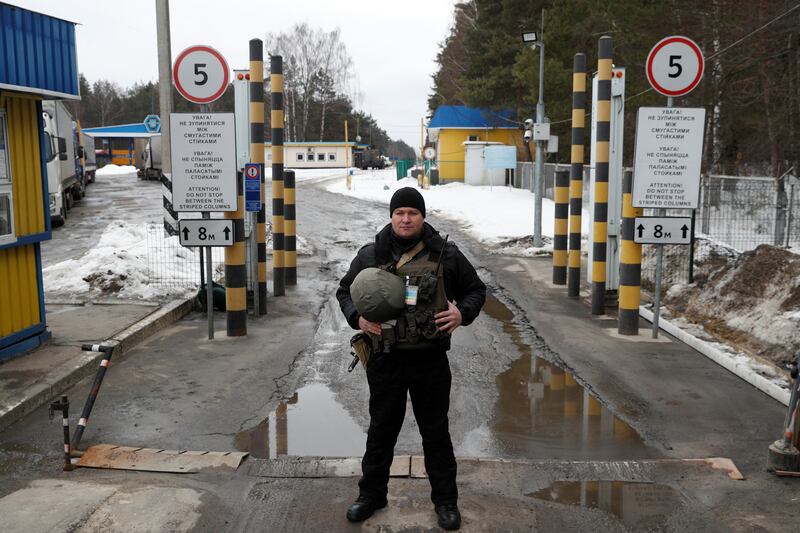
x=685 y=230
x=227 y=232
x=185 y=233
x=640 y=227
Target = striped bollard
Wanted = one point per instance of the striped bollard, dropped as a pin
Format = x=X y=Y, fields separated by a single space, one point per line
x=257 y=156
x=276 y=119
x=630 y=263
x=576 y=175
x=236 y=269
x=560 y=228
x=600 y=227
x=290 y=227
x=63 y=406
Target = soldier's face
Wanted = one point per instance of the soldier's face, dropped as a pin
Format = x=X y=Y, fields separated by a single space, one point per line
x=407 y=222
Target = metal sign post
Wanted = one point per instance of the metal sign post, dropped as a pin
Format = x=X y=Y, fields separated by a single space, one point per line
x=252 y=204
x=206 y=233
x=203 y=158
x=669 y=142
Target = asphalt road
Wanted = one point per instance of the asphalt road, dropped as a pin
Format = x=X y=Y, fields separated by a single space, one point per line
x=284 y=390
x=109 y=198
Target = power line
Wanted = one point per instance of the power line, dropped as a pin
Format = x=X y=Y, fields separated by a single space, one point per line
x=712 y=56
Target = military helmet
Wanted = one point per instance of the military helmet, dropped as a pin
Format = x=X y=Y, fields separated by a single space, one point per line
x=378 y=295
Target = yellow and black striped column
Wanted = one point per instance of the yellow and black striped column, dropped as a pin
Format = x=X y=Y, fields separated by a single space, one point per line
x=257 y=156
x=630 y=262
x=560 y=228
x=276 y=118
x=576 y=175
x=235 y=269
x=290 y=227
x=603 y=131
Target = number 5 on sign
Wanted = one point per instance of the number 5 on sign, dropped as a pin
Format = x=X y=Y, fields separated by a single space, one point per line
x=201 y=74
x=675 y=65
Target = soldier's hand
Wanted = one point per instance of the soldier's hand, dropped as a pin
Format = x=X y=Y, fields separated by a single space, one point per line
x=449 y=320
x=369 y=327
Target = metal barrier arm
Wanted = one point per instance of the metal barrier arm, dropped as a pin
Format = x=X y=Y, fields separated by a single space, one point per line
x=98 y=380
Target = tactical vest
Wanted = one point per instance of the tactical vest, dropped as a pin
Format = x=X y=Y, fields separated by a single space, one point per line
x=416 y=329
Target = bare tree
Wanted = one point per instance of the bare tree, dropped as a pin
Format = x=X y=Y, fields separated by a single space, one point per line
x=107 y=100
x=317 y=67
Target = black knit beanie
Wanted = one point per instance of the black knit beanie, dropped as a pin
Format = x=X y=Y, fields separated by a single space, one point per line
x=407 y=197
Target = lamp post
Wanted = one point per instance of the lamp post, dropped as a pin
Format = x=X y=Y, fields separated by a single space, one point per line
x=532 y=38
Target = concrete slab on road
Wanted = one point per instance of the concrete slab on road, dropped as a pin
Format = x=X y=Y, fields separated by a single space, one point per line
x=495 y=495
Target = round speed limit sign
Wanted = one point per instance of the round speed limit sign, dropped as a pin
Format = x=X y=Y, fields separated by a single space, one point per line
x=675 y=65
x=201 y=74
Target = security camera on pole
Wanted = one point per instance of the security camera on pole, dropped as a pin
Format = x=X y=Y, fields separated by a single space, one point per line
x=541 y=134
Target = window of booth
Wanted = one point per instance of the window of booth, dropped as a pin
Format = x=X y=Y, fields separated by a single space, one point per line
x=301 y=157
x=7 y=234
x=320 y=157
x=331 y=157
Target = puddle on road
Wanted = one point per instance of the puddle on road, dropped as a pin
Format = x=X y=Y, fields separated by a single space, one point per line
x=637 y=505
x=311 y=423
x=543 y=413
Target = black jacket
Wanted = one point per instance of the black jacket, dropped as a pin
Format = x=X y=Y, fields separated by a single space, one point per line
x=462 y=284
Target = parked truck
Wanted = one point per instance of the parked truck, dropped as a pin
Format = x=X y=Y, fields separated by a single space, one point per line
x=64 y=171
x=370 y=158
x=89 y=157
x=149 y=163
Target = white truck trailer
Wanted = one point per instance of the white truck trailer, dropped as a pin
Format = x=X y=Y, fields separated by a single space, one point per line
x=150 y=167
x=63 y=166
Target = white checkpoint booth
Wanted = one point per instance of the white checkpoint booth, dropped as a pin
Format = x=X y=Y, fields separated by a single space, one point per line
x=476 y=171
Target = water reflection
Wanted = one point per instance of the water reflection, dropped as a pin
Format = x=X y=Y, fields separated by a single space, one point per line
x=542 y=411
x=638 y=505
x=310 y=423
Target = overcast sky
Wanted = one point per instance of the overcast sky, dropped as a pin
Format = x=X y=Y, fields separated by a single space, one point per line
x=393 y=44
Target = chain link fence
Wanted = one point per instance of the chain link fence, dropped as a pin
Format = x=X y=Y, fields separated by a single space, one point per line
x=737 y=213
x=175 y=268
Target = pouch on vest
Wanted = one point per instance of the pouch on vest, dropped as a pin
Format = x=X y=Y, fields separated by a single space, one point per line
x=362 y=350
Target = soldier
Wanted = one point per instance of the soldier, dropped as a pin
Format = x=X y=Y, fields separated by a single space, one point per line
x=442 y=292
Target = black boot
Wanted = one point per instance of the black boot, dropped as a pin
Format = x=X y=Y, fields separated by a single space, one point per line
x=363 y=508
x=449 y=516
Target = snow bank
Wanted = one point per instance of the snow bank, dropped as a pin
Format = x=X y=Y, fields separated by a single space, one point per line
x=120 y=265
x=751 y=300
x=115 y=170
x=500 y=217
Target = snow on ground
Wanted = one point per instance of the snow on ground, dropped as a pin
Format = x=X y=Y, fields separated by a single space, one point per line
x=500 y=217
x=309 y=174
x=136 y=261
x=749 y=300
x=115 y=170
x=769 y=371
x=119 y=266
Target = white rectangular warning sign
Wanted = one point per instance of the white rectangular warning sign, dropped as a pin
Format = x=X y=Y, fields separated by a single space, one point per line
x=203 y=162
x=669 y=151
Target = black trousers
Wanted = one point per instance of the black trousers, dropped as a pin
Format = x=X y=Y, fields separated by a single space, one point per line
x=425 y=375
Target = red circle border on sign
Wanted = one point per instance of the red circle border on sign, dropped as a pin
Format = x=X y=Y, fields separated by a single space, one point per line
x=662 y=43
x=182 y=90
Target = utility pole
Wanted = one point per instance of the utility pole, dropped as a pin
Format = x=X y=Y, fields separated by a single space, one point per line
x=164 y=81
x=537 y=221
x=541 y=135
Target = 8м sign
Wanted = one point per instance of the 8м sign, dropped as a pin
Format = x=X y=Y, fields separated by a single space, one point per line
x=662 y=230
